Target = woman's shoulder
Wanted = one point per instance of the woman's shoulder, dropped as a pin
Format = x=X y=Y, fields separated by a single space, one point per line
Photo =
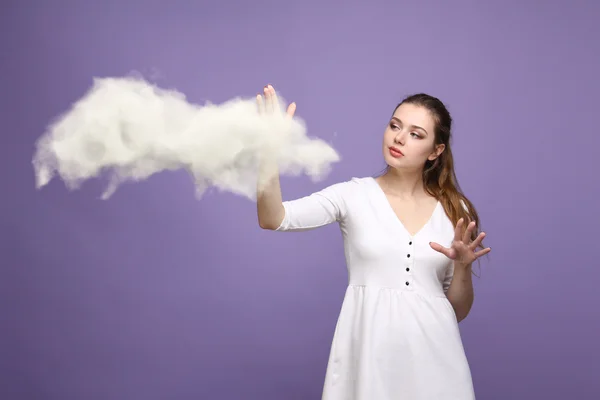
x=347 y=189
x=352 y=184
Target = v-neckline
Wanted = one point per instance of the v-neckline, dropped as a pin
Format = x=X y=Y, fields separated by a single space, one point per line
x=395 y=216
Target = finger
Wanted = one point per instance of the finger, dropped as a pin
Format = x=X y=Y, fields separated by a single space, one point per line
x=477 y=240
x=268 y=99
x=450 y=253
x=274 y=99
x=468 y=232
x=483 y=252
x=260 y=103
x=271 y=105
x=291 y=110
x=458 y=230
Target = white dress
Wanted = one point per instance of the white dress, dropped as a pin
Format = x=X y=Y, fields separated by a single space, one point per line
x=397 y=335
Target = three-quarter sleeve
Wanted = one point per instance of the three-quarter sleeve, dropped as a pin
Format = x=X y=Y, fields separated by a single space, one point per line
x=318 y=209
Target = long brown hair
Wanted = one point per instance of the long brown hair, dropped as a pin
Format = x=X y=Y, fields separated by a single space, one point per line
x=439 y=177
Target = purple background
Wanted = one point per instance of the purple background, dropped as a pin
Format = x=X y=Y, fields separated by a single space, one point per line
x=154 y=295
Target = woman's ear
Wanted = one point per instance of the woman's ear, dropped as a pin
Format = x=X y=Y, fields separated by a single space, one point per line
x=439 y=149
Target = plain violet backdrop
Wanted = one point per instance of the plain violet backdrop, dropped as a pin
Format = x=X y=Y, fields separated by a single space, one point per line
x=155 y=295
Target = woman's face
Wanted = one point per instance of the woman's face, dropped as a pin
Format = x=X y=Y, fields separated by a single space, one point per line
x=409 y=139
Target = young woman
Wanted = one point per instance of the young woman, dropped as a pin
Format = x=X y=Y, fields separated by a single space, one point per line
x=410 y=238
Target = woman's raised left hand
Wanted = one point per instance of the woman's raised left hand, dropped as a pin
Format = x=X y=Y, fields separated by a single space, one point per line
x=462 y=249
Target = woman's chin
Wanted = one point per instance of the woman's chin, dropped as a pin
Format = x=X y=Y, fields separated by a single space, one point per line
x=392 y=162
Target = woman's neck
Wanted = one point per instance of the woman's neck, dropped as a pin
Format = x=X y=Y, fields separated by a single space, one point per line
x=404 y=185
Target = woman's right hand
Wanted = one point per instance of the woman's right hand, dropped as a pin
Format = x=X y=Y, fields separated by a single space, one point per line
x=268 y=102
x=269 y=202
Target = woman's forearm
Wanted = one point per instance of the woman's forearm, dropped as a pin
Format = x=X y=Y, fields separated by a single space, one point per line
x=269 y=201
x=460 y=293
